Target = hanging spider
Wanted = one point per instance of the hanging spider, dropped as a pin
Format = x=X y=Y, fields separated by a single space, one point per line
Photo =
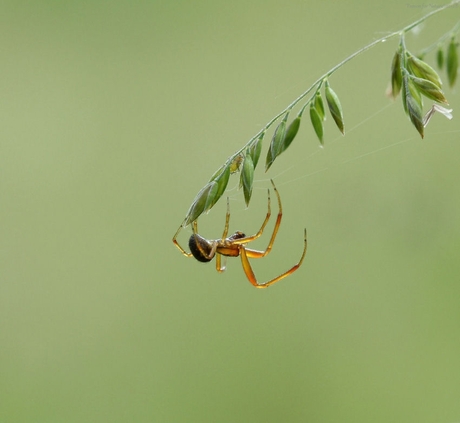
x=204 y=250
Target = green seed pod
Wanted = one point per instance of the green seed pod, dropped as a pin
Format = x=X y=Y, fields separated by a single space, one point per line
x=222 y=182
x=276 y=143
x=317 y=122
x=291 y=133
x=335 y=107
x=396 y=77
x=212 y=196
x=269 y=160
x=403 y=95
x=199 y=203
x=440 y=57
x=319 y=106
x=278 y=137
x=256 y=149
x=428 y=89
x=452 y=62
x=423 y=70
x=247 y=178
x=218 y=172
x=413 y=103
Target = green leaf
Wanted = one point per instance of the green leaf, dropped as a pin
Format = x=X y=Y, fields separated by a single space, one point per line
x=317 y=122
x=291 y=133
x=247 y=178
x=423 y=70
x=428 y=89
x=452 y=62
x=396 y=77
x=335 y=107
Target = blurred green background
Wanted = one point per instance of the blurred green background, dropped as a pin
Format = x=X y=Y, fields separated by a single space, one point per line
x=114 y=114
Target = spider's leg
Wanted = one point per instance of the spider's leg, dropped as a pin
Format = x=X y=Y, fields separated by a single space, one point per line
x=176 y=243
x=227 y=220
x=250 y=253
x=277 y=224
x=247 y=239
x=219 y=266
x=248 y=268
x=258 y=254
x=244 y=253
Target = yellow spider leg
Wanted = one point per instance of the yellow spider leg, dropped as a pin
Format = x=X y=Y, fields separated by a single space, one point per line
x=261 y=230
x=275 y=229
x=257 y=254
x=227 y=220
x=176 y=243
x=219 y=266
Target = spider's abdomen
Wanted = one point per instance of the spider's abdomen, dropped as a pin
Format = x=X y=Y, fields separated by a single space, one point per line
x=200 y=248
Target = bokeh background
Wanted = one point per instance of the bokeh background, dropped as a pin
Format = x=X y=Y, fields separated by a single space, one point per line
x=113 y=114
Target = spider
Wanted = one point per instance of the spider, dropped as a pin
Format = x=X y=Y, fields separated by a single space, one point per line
x=204 y=250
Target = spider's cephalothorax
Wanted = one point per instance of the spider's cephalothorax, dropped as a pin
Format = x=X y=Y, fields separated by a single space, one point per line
x=204 y=250
x=236 y=235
